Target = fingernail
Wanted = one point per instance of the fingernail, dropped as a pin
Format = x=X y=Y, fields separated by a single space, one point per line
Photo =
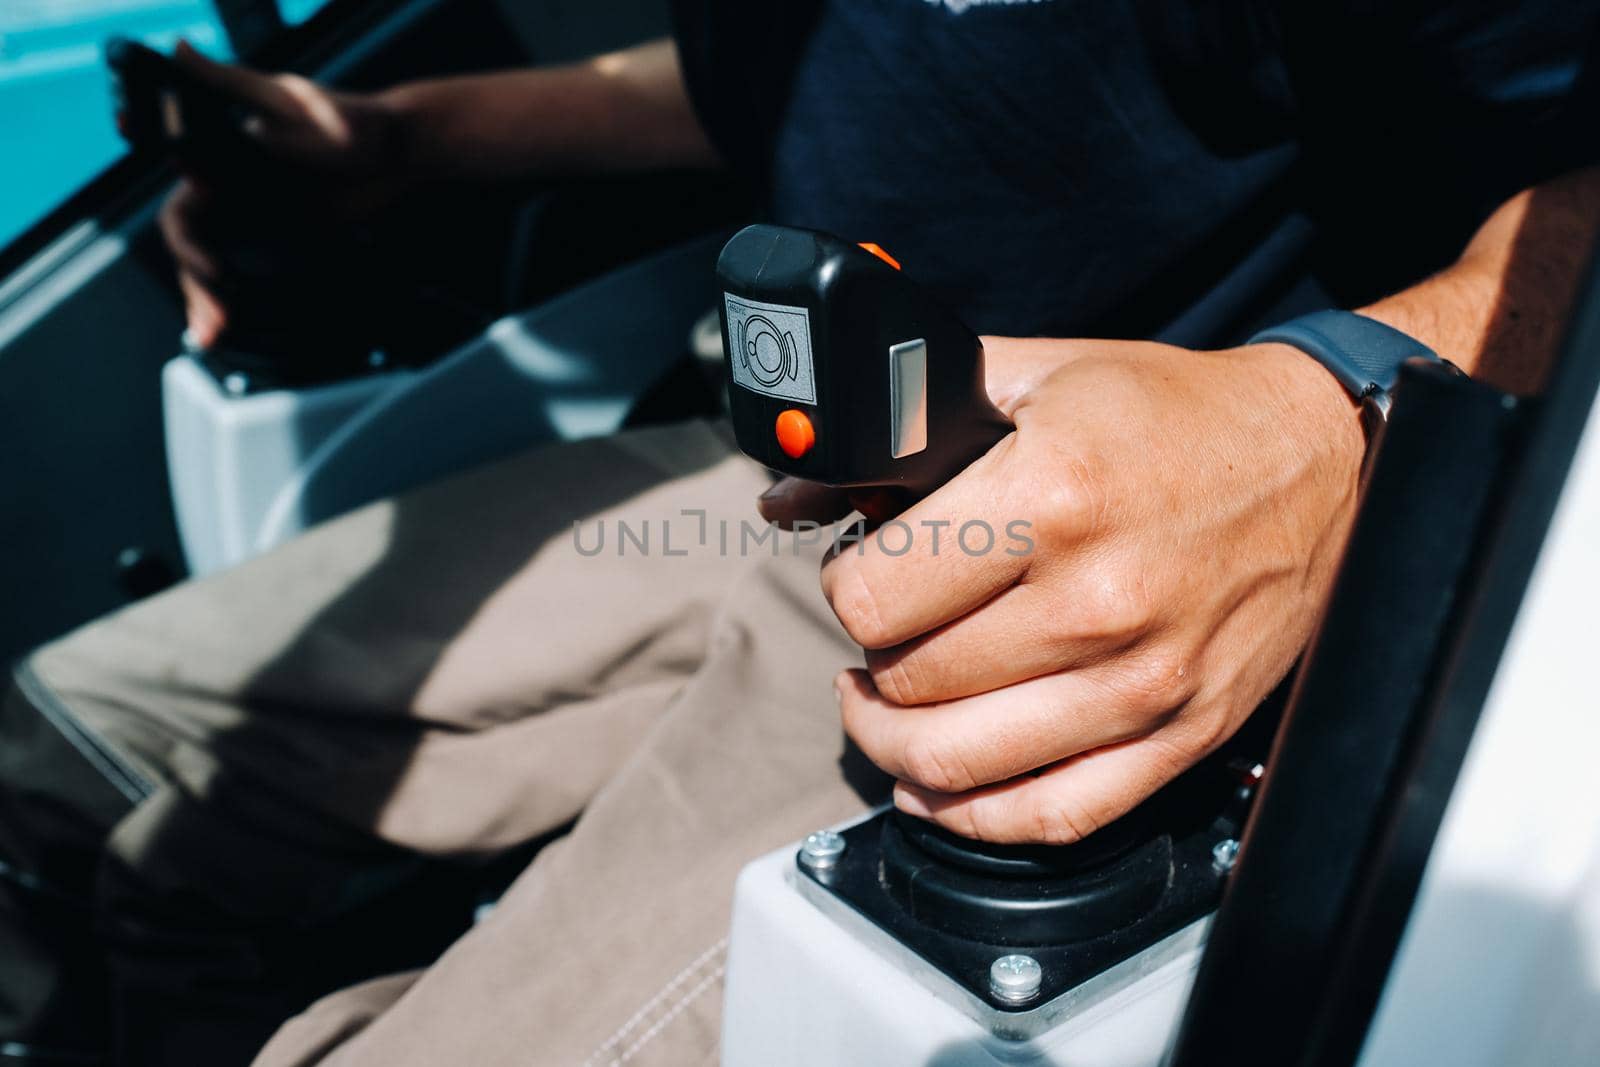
x=910 y=803
x=838 y=687
x=777 y=491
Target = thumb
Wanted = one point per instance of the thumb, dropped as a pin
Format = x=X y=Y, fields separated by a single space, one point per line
x=255 y=90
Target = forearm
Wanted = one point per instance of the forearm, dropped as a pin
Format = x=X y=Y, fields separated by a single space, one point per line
x=627 y=110
x=1500 y=311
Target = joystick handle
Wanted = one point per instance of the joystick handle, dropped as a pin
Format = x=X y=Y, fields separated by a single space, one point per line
x=843 y=370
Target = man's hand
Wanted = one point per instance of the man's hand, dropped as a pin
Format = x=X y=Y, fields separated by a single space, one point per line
x=1187 y=511
x=623 y=111
x=344 y=143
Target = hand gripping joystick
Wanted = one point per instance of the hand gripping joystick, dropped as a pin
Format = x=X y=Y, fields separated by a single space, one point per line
x=845 y=372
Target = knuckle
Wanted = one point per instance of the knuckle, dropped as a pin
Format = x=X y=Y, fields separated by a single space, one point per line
x=934 y=764
x=856 y=605
x=303 y=91
x=975 y=821
x=1172 y=757
x=1059 y=822
x=1161 y=681
x=1072 y=497
x=319 y=107
x=1109 y=606
x=1023 y=819
x=900 y=678
x=1198 y=736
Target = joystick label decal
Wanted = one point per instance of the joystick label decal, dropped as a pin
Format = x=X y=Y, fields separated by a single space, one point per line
x=769 y=348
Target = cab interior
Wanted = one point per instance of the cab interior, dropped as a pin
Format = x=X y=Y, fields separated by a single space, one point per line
x=468 y=332
x=90 y=312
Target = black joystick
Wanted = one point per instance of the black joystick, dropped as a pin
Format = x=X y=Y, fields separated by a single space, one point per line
x=845 y=372
x=1026 y=894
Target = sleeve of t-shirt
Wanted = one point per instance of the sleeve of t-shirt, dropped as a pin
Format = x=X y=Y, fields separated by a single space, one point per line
x=738 y=60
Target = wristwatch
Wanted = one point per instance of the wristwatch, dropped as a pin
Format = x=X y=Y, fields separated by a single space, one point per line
x=1363 y=354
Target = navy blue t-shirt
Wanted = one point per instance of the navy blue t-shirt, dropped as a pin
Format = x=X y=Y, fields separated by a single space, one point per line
x=1146 y=168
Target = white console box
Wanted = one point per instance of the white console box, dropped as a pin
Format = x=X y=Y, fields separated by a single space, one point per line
x=250 y=470
x=230 y=456
x=811 y=982
x=1499 y=965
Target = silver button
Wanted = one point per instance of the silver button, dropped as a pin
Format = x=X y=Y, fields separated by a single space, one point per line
x=908 y=398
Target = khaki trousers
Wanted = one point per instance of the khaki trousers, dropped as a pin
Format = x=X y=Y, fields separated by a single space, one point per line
x=320 y=754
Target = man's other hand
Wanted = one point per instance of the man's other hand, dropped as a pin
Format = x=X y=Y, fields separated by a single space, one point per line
x=345 y=143
x=1186 y=512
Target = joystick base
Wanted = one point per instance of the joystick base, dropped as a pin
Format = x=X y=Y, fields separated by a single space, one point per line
x=1077 y=922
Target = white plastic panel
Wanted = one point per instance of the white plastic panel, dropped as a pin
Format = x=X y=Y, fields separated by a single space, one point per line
x=805 y=989
x=250 y=472
x=229 y=457
x=1500 y=964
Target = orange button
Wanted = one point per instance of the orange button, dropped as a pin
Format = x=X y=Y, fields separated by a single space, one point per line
x=881 y=254
x=795 y=433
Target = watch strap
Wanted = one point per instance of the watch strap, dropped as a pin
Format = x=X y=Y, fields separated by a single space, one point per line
x=1364 y=354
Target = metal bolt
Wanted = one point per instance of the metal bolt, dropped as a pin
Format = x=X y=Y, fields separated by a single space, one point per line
x=236 y=384
x=1223 y=855
x=821 y=850
x=1015 y=979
